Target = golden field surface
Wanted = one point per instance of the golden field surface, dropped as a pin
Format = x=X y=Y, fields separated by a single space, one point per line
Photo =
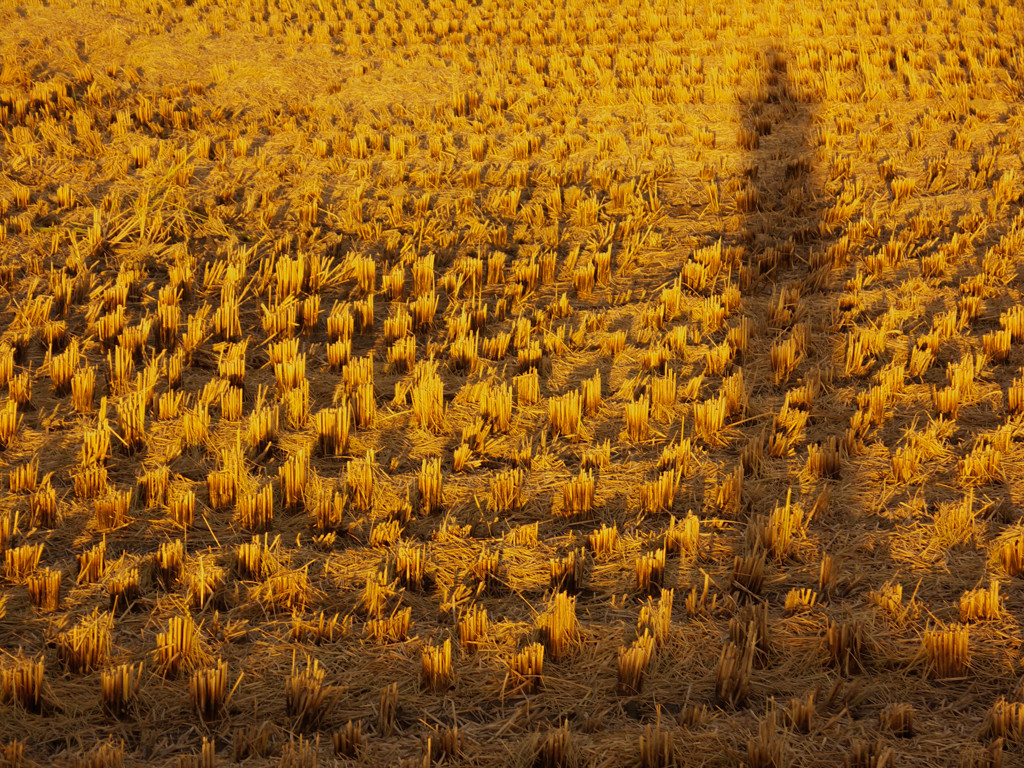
x=504 y=383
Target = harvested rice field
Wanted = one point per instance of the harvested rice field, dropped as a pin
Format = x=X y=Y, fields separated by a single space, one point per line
x=503 y=383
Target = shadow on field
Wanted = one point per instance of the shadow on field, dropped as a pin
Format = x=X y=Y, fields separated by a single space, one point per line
x=784 y=278
x=793 y=266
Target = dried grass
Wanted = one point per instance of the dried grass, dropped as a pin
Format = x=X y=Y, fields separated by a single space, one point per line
x=313 y=369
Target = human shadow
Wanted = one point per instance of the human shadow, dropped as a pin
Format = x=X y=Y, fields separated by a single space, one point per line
x=784 y=248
